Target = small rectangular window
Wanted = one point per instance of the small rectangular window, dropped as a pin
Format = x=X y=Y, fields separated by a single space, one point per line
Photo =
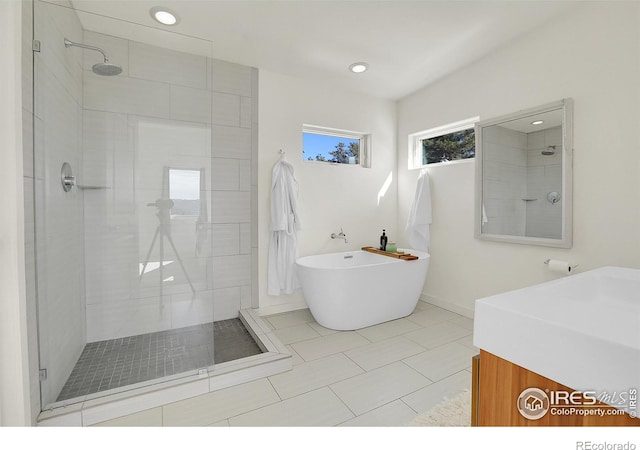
x=448 y=143
x=184 y=191
x=334 y=146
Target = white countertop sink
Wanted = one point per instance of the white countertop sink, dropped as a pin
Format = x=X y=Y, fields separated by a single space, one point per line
x=582 y=331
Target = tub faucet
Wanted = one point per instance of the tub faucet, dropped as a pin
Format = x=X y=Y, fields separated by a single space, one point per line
x=340 y=235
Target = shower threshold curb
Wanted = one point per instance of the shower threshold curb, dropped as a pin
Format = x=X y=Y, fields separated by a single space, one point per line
x=99 y=407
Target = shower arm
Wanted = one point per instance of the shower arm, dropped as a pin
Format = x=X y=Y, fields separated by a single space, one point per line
x=68 y=43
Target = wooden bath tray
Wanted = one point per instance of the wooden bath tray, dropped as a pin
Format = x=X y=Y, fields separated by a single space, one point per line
x=403 y=256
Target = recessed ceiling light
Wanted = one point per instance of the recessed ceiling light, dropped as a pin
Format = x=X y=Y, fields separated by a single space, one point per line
x=164 y=16
x=358 y=67
x=537 y=122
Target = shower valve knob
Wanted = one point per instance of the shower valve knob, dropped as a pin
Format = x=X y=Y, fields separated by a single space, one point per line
x=67 y=178
x=553 y=197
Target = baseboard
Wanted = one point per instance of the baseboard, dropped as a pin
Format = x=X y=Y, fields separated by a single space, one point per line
x=300 y=304
x=458 y=309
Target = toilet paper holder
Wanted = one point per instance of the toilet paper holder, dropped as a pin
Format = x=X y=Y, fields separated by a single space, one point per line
x=571 y=267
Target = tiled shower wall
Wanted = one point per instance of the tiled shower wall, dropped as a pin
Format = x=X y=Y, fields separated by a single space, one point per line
x=515 y=170
x=505 y=178
x=544 y=175
x=167 y=109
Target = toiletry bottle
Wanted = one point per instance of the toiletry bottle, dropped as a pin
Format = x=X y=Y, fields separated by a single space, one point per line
x=383 y=241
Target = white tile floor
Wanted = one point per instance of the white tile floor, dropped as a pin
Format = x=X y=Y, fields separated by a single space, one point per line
x=383 y=375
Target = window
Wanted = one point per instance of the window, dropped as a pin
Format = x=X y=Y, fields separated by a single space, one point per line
x=184 y=191
x=448 y=143
x=329 y=145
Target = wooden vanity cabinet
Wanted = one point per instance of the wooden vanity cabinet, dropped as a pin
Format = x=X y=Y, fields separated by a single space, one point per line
x=498 y=383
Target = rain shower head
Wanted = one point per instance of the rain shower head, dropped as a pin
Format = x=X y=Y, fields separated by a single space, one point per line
x=104 y=68
x=550 y=150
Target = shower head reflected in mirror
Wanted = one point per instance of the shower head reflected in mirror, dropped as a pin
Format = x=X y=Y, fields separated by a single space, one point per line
x=102 y=68
x=550 y=150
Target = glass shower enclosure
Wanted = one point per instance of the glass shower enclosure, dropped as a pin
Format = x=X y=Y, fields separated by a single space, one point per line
x=144 y=222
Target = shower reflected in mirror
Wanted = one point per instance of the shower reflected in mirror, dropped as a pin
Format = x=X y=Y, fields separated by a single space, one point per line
x=523 y=183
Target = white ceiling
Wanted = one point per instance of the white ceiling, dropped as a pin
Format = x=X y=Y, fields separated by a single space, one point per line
x=408 y=44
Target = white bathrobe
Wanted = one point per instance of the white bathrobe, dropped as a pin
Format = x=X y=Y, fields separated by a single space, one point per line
x=285 y=222
x=419 y=220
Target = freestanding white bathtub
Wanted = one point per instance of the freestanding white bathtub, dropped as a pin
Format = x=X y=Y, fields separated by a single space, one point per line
x=357 y=289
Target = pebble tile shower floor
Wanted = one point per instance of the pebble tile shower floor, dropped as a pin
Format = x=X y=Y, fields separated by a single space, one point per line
x=119 y=362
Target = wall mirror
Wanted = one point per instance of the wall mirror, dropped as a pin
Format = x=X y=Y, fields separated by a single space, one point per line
x=524 y=178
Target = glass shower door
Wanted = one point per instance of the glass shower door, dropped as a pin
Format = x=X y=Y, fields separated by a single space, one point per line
x=59 y=217
x=125 y=249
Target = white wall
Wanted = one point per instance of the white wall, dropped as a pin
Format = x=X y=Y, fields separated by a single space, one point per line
x=331 y=196
x=591 y=55
x=14 y=376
